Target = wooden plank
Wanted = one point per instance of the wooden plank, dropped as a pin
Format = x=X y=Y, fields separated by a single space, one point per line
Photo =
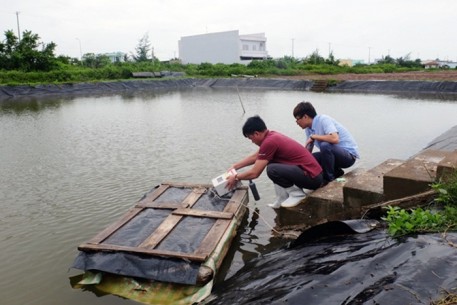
x=213 y=237
x=193 y=197
x=203 y=213
x=161 y=205
x=100 y=237
x=153 y=196
x=188 y=185
x=171 y=221
x=414 y=201
x=161 y=232
x=236 y=204
x=237 y=199
x=153 y=252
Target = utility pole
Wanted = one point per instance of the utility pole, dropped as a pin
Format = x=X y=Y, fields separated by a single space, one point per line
x=18 y=30
x=80 y=49
x=369 y=51
x=293 y=47
x=329 y=49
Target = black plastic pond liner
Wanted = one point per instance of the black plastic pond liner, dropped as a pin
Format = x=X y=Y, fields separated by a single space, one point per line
x=139 y=85
x=415 y=88
x=446 y=141
x=368 y=268
x=422 y=87
x=134 y=265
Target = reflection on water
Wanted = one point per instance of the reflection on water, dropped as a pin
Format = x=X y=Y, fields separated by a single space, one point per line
x=71 y=166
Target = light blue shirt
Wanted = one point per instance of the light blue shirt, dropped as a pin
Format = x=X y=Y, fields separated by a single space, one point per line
x=324 y=125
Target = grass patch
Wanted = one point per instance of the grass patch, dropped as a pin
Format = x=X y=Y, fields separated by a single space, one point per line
x=403 y=222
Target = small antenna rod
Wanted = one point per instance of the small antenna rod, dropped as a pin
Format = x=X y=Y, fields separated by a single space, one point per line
x=241 y=102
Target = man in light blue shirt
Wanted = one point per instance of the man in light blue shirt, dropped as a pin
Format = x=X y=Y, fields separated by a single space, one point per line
x=337 y=147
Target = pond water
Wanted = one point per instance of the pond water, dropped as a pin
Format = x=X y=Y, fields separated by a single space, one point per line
x=71 y=166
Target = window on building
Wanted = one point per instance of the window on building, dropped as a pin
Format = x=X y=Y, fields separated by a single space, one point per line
x=245 y=47
x=254 y=47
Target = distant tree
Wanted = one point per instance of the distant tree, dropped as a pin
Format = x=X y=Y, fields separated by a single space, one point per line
x=262 y=64
x=314 y=58
x=331 y=60
x=286 y=62
x=143 y=50
x=25 y=54
x=95 y=61
x=408 y=63
x=387 y=60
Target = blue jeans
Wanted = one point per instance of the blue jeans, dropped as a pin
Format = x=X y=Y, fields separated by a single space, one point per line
x=332 y=159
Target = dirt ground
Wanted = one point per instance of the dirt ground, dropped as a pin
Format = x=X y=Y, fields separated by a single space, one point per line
x=448 y=75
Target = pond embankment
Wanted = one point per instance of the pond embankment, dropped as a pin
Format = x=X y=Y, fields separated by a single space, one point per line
x=448 y=88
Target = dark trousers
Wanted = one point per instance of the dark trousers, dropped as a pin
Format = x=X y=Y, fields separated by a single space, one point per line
x=332 y=159
x=286 y=176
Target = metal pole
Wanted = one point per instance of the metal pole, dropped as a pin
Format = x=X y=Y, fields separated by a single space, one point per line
x=369 y=51
x=18 y=30
x=80 y=50
x=293 y=47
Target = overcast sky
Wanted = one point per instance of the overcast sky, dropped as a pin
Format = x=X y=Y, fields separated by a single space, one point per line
x=356 y=29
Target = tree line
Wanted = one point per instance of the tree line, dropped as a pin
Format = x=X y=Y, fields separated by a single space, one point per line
x=28 y=60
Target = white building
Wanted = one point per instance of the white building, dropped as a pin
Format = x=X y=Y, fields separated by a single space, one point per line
x=116 y=56
x=223 y=47
x=442 y=64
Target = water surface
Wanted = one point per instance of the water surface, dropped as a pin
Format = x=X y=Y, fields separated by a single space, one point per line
x=71 y=166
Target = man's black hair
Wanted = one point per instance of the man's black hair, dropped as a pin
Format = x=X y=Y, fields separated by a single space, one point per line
x=303 y=108
x=252 y=125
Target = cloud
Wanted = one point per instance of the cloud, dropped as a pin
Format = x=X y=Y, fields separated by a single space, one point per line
x=351 y=29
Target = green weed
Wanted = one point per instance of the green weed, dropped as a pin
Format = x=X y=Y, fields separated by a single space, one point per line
x=403 y=222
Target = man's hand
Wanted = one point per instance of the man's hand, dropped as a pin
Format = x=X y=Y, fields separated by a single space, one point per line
x=231 y=182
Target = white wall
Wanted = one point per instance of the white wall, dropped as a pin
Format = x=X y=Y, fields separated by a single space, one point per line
x=222 y=47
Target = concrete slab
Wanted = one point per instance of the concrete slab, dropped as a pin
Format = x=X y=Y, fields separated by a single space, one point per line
x=413 y=176
x=324 y=204
x=330 y=199
x=367 y=188
x=447 y=166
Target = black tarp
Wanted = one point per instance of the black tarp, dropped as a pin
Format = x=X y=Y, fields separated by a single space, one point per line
x=154 y=84
x=397 y=86
x=142 y=266
x=446 y=141
x=416 y=88
x=369 y=268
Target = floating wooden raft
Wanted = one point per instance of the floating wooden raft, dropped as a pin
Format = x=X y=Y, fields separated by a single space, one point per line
x=176 y=205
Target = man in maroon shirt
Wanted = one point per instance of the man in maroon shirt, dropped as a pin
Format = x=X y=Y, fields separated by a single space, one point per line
x=289 y=164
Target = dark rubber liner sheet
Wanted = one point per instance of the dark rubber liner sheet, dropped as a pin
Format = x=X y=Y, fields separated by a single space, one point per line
x=368 y=268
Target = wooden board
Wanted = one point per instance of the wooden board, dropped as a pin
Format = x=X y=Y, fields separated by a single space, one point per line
x=178 y=211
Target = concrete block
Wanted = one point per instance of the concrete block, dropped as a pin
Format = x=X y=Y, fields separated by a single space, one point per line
x=367 y=188
x=413 y=176
x=323 y=204
x=447 y=167
x=331 y=196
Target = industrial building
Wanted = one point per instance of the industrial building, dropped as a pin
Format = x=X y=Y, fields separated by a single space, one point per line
x=223 y=47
